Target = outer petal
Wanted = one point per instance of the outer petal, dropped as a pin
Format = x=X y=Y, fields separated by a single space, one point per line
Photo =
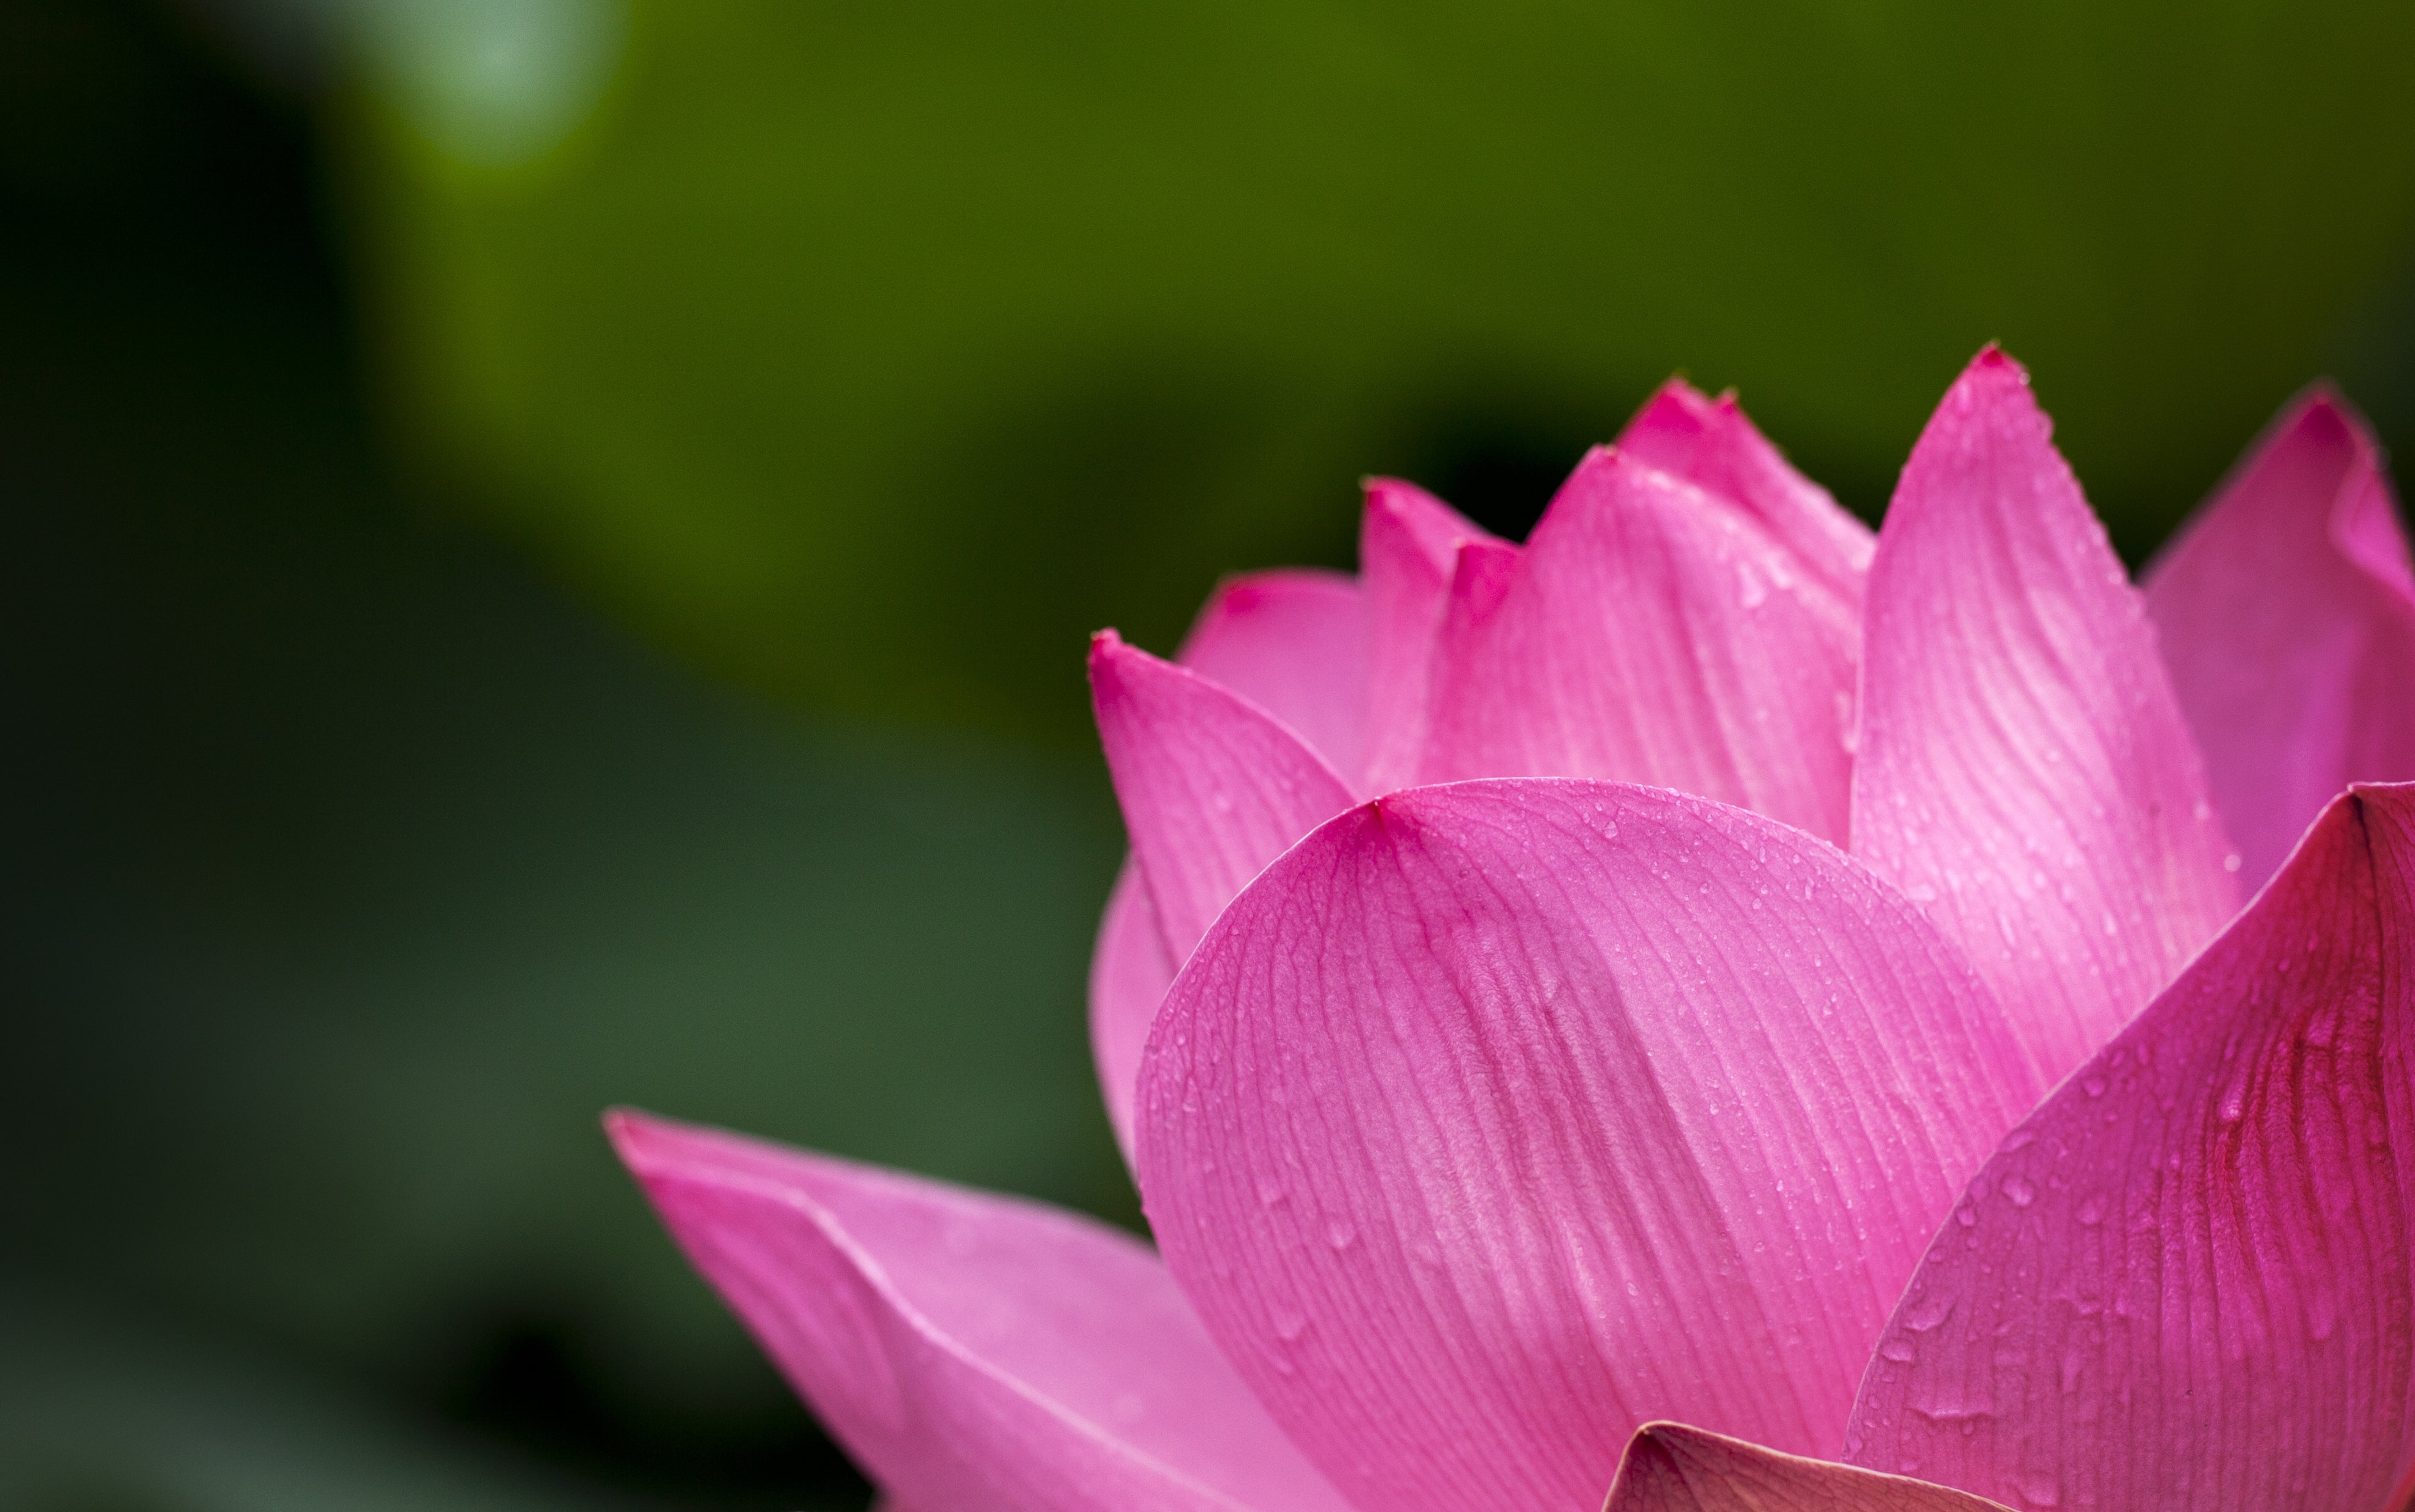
x=2287 y=619
x=2023 y=768
x=1652 y=634
x=1212 y=786
x=1670 y=1468
x=1408 y=543
x=2185 y=1282
x=1130 y=971
x=1710 y=444
x=1496 y=1119
x=1294 y=642
x=971 y=1351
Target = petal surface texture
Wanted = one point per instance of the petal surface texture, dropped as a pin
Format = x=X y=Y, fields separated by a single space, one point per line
x=2287 y=618
x=968 y=1350
x=1129 y=974
x=1670 y=1468
x=1211 y=785
x=2184 y=1283
x=1294 y=642
x=1710 y=444
x=1499 y=1118
x=1408 y=544
x=2024 y=770
x=1651 y=632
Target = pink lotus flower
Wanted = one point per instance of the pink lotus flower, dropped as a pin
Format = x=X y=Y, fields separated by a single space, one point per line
x=1705 y=965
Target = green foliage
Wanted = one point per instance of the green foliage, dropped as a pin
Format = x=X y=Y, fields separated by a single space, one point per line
x=879 y=353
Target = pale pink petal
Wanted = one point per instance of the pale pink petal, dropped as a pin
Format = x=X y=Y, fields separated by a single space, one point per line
x=2024 y=772
x=2185 y=1281
x=968 y=1350
x=1294 y=642
x=2287 y=619
x=1212 y=786
x=1671 y=1468
x=1710 y=444
x=1129 y=974
x=1499 y=1118
x=1652 y=634
x=1408 y=541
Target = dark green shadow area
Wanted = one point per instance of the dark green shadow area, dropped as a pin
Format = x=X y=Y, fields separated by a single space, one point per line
x=348 y=870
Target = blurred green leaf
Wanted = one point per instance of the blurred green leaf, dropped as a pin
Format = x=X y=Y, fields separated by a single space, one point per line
x=879 y=352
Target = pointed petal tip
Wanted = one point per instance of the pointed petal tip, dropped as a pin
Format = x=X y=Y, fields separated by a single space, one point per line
x=1677 y=405
x=630 y=1132
x=1111 y=655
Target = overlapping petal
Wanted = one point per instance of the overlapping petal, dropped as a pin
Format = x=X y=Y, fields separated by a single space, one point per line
x=2287 y=616
x=971 y=1351
x=1495 y=1120
x=1212 y=786
x=1408 y=548
x=2185 y=1281
x=1671 y=1468
x=1653 y=633
x=2023 y=768
x=1130 y=971
x=1711 y=445
x=1293 y=641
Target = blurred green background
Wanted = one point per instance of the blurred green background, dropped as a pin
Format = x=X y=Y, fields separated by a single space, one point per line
x=550 y=543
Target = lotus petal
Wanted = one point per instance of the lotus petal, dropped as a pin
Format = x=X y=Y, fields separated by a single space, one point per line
x=1651 y=632
x=1212 y=786
x=1294 y=642
x=1496 y=1119
x=968 y=1350
x=1671 y=1468
x=1129 y=974
x=2024 y=772
x=2287 y=618
x=1408 y=545
x=1710 y=444
x=2185 y=1281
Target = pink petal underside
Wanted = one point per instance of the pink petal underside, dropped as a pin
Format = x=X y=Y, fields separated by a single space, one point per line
x=1129 y=974
x=2287 y=620
x=1671 y=1468
x=1408 y=542
x=2185 y=1281
x=1294 y=642
x=1212 y=786
x=2024 y=772
x=1651 y=632
x=1496 y=1119
x=1710 y=444
x=968 y=1350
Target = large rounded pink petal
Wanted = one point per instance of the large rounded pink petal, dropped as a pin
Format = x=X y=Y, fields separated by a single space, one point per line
x=2287 y=619
x=1711 y=445
x=2024 y=770
x=1294 y=642
x=1129 y=974
x=970 y=1350
x=1212 y=786
x=2186 y=1283
x=1652 y=634
x=1496 y=1119
x=1408 y=545
x=1671 y=1468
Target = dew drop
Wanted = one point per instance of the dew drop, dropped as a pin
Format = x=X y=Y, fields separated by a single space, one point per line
x=2020 y=1191
x=1928 y=1313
